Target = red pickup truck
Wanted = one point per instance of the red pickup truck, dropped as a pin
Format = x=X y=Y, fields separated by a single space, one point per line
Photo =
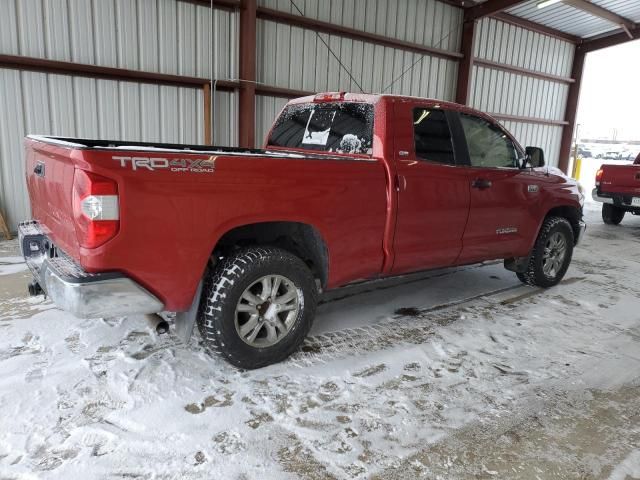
x=618 y=189
x=348 y=187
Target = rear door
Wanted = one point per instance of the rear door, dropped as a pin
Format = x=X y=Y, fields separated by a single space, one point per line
x=433 y=192
x=500 y=223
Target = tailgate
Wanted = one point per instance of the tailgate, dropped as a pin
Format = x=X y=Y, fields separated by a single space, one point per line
x=622 y=179
x=49 y=171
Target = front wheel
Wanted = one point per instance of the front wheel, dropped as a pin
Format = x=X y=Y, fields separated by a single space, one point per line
x=258 y=306
x=551 y=254
x=612 y=215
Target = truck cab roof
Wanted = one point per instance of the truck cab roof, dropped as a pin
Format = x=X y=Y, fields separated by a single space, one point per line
x=374 y=98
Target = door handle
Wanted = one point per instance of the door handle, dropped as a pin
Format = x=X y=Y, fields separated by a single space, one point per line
x=481 y=183
x=401 y=183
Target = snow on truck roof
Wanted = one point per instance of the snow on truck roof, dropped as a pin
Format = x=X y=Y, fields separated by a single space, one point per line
x=360 y=97
x=377 y=97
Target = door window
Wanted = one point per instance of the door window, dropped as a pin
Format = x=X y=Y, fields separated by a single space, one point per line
x=432 y=136
x=488 y=144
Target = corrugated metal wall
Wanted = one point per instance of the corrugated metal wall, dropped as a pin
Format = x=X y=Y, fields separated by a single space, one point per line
x=267 y=109
x=426 y=22
x=296 y=58
x=163 y=36
x=510 y=93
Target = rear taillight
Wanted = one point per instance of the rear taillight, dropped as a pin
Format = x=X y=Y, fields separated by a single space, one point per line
x=95 y=208
x=599 y=176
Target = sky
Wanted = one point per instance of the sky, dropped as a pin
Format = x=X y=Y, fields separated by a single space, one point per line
x=610 y=95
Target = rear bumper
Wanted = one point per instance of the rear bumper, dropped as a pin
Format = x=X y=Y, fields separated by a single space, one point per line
x=86 y=295
x=599 y=198
x=620 y=200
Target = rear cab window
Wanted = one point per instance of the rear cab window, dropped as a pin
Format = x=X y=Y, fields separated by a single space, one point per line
x=338 y=127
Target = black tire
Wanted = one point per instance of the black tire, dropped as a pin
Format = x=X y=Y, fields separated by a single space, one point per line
x=223 y=289
x=612 y=215
x=535 y=274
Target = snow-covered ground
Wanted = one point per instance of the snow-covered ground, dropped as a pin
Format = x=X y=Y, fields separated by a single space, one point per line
x=453 y=374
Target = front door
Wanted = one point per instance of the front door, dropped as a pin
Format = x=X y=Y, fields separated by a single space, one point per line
x=433 y=192
x=502 y=194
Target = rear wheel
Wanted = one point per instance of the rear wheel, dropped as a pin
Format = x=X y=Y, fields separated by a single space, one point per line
x=258 y=307
x=551 y=254
x=612 y=215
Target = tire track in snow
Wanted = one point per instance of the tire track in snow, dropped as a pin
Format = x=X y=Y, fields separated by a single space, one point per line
x=414 y=326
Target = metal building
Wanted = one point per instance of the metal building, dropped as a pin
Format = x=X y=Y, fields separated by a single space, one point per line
x=201 y=71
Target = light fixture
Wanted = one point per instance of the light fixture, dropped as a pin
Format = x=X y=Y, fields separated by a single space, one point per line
x=546 y=3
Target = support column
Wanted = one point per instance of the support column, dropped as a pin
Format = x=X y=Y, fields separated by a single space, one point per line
x=465 y=66
x=571 y=109
x=247 y=91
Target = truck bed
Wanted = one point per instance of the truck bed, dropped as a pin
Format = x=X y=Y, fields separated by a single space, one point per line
x=171 y=214
x=93 y=144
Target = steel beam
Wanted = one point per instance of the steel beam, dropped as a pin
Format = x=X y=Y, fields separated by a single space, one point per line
x=247 y=96
x=222 y=4
x=610 y=40
x=489 y=8
x=571 y=109
x=94 y=71
x=339 y=30
x=522 y=71
x=465 y=66
x=598 y=11
x=536 y=27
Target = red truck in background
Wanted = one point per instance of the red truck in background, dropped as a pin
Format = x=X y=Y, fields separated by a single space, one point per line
x=348 y=187
x=618 y=189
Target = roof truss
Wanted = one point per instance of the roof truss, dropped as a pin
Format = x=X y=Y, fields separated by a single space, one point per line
x=598 y=11
x=496 y=8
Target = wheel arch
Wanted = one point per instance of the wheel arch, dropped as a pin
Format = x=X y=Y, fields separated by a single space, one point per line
x=301 y=239
x=571 y=213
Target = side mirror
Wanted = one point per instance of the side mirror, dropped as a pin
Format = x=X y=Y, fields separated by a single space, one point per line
x=535 y=157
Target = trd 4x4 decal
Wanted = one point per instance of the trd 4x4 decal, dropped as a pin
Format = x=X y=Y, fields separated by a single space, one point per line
x=197 y=165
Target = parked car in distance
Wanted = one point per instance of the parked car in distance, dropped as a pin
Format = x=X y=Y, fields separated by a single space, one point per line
x=618 y=189
x=609 y=155
x=348 y=187
x=584 y=152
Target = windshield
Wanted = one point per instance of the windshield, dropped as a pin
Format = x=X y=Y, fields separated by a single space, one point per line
x=328 y=127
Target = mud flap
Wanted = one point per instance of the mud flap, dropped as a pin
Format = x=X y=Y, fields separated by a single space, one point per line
x=186 y=320
x=517 y=264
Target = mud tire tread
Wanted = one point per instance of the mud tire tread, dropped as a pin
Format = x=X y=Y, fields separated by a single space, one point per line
x=223 y=286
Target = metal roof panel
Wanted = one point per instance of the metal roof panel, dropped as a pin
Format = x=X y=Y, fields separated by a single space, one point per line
x=569 y=19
